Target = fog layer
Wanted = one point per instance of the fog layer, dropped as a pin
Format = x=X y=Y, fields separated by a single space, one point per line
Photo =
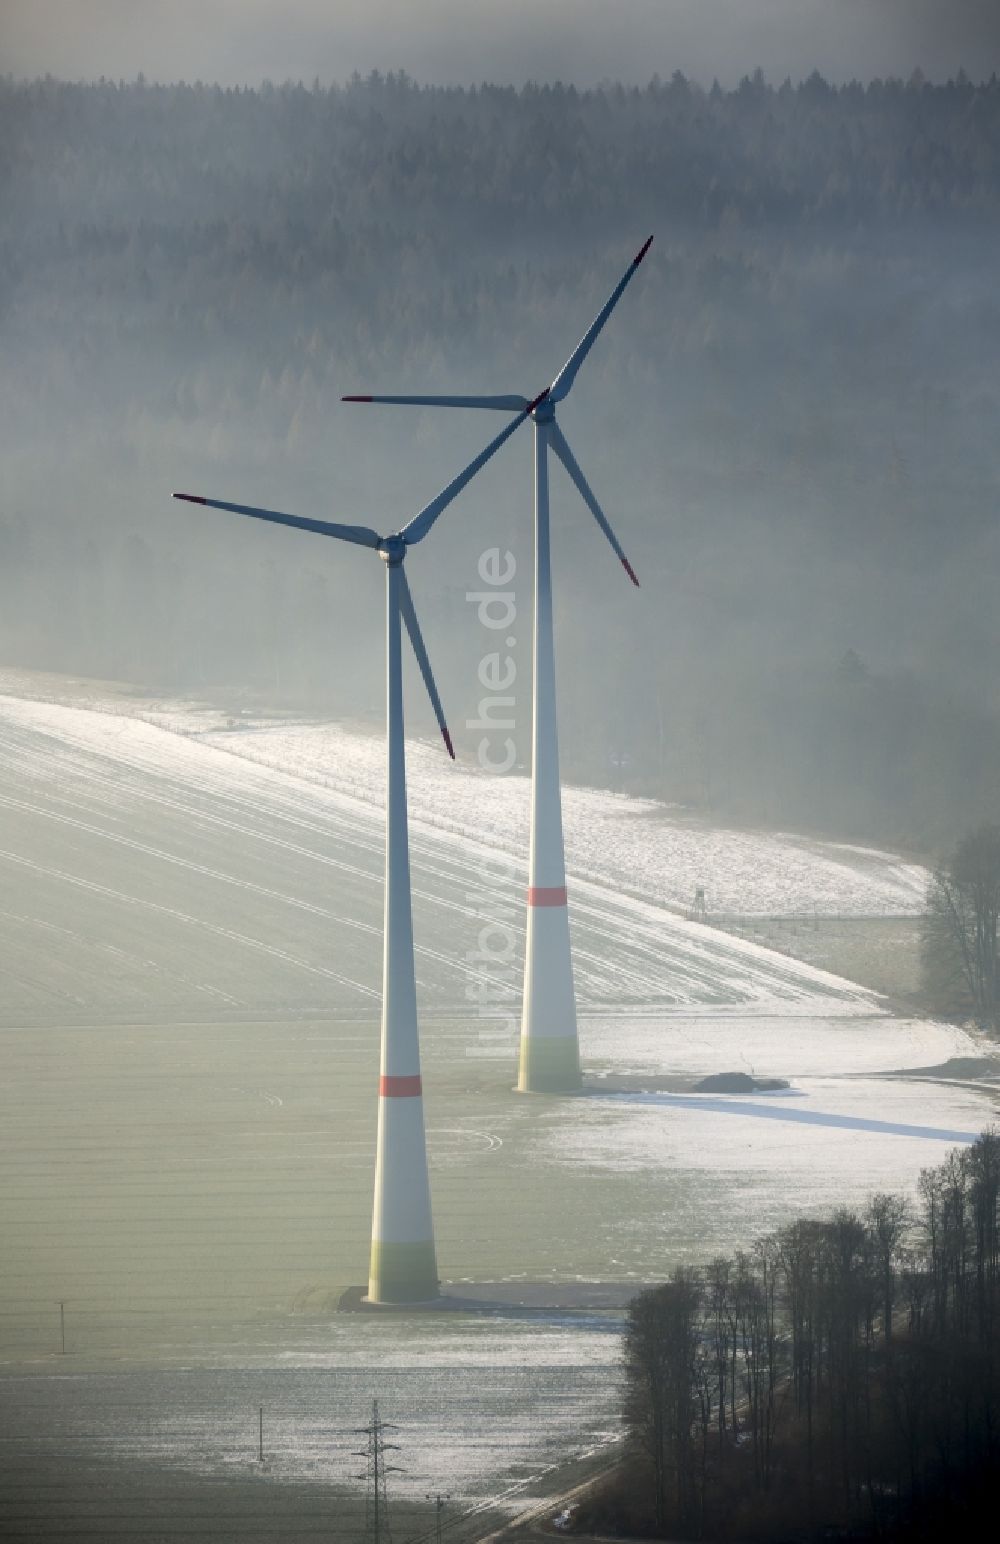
x=791 y=420
x=586 y=41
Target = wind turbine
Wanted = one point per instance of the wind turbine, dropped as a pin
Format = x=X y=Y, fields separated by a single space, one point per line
x=403 y=1265
x=550 y=1054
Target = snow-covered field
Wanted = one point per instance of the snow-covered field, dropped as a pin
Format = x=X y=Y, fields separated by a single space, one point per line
x=695 y=1042
x=633 y=845
x=765 y=1134
x=151 y=876
x=190 y=952
x=545 y=1388
x=188 y=854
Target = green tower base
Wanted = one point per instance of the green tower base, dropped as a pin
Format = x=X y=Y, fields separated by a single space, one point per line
x=402 y=1273
x=550 y=1064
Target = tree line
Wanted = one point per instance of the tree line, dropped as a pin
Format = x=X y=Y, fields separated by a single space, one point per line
x=837 y=1379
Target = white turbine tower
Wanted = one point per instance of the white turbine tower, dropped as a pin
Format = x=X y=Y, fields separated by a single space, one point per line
x=403 y=1265
x=550 y=1053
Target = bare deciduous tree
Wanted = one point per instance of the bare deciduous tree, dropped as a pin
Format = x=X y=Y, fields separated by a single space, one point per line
x=961 y=946
x=667 y=1378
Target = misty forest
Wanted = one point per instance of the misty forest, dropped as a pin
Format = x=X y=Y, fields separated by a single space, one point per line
x=797 y=409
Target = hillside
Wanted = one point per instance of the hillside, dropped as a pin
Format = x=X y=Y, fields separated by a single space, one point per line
x=189 y=996
x=790 y=421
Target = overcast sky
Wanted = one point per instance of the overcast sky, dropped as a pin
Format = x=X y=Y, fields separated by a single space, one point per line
x=500 y=40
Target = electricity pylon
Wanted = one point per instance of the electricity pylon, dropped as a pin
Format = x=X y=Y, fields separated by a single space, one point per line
x=376 y=1497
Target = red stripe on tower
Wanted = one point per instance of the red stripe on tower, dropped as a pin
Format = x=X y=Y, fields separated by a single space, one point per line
x=400 y=1088
x=538 y=895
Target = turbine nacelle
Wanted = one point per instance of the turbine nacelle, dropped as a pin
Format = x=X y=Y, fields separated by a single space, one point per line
x=543 y=409
x=392 y=550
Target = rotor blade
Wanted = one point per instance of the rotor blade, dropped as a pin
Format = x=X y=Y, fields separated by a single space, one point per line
x=558 y=442
x=567 y=375
x=413 y=628
x=500 y=404
x=418 y=527
x=359 y=534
